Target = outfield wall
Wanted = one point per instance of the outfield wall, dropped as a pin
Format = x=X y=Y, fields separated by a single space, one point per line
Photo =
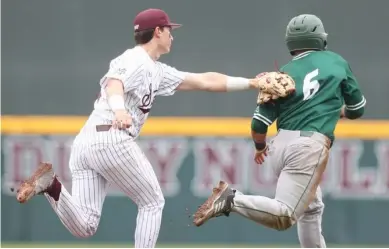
x=356 y=183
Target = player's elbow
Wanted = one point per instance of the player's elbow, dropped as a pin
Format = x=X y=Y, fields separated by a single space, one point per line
x=258 y=126
x=114 y=86
x=355 y=114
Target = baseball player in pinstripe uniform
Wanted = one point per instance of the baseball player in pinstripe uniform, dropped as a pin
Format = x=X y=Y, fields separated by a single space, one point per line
x=105 y=152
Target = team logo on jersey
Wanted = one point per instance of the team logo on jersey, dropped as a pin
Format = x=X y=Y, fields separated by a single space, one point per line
x=122 y=71
x=147 y=101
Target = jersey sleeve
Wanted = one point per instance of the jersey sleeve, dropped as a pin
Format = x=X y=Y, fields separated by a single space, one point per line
x=352 y=95
x=266 y=113
x=171 y=79
x=130 y=73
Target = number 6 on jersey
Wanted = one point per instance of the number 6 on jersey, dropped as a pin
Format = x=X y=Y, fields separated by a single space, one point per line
x=310 y=86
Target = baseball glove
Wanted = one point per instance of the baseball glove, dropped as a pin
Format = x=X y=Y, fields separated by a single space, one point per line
x=273 y=85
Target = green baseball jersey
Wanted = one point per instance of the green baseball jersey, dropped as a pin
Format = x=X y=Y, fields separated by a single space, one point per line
x=324 y=82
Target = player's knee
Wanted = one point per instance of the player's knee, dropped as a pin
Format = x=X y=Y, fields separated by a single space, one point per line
x=285 y=218
x=314 y=209
x=155 y=201
x=160 y=202
x=283 y=223
x=87 y=230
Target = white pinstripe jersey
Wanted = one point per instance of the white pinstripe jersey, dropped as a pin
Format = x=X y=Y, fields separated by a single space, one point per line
x=143 y=79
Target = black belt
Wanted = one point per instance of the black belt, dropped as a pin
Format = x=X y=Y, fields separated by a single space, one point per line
x=306 y=133
x=310 y=134
x=104 y=127
x=107 y=127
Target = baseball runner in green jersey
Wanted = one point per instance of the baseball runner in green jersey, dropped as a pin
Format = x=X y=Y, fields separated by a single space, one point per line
x=326 y=90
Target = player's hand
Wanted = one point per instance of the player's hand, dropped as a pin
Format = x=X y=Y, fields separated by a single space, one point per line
x=274 y=85
x=260 y=155
x=122 y=120
x=255 y=83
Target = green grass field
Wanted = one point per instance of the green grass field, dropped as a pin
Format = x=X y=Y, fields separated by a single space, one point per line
x=107 y=245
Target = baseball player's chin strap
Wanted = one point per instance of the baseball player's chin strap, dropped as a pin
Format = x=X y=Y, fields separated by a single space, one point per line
x=237 y=84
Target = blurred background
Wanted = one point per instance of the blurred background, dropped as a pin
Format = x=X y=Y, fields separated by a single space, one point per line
x=54 y=53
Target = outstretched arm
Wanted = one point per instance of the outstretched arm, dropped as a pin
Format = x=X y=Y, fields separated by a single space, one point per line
x=215 y=82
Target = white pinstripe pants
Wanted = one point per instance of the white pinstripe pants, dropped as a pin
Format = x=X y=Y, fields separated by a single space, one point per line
x=93 y=168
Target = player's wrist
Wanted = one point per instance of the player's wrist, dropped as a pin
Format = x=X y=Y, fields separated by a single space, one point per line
x=237 y=84
x=253 y=83
x=119 y=112
x=116 y=102
x=260 y=146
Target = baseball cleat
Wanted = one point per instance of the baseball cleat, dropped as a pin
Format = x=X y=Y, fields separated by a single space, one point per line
x=218 y=204
x=37 y=184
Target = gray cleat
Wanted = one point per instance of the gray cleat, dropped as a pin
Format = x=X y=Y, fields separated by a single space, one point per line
x=218 y=204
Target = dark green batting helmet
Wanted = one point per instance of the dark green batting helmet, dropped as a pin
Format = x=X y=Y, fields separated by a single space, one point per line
x=305 y=32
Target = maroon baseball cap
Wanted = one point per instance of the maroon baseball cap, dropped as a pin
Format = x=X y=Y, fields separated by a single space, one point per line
x=152 y=18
